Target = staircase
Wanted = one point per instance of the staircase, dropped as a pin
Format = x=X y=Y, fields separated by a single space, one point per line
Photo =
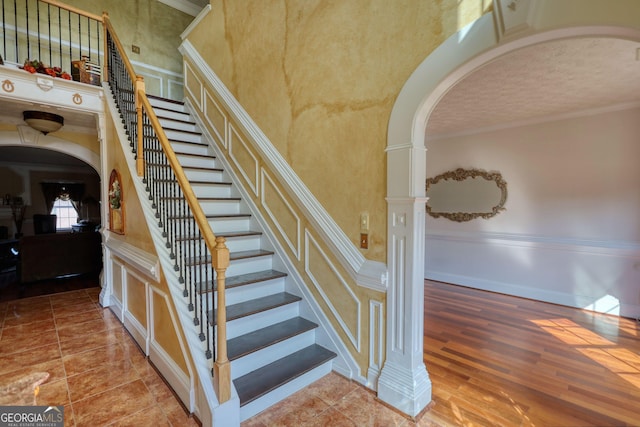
x=271 y=347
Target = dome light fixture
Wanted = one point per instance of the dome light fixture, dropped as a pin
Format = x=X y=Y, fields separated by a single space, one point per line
x=43 y=121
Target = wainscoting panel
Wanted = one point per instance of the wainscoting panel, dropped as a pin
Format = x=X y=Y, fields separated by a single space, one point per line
x=336 y=293
x=215 y=119
x=244 y=159
x=596 y=275
x=376 y=341
x=193 y=86
x=281 y=213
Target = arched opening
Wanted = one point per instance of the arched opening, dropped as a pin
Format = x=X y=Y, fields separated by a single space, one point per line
x=404 y=382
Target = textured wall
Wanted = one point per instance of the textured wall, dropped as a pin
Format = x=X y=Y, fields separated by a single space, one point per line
x=320 y=79
x=149 y=24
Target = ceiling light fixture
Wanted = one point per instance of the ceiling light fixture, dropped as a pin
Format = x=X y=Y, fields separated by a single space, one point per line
x=42 y=121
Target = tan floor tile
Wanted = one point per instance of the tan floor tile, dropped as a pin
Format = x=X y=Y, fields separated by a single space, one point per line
x=16 y=361
x=96 y=326
x=69 y=419
x=23 y=317
x=29 y=304
x=148 y=417
x=80 y=362
x=158 y=388
x=69 y=297
x=89 y=342
x=21 y=391
x=32 y=343
x=86 y=316
x=94 y=293
x=74 y=309
x=329 y=418
x=54 y=368
x=53 y=393
x=361 y=407
x=332 y=387
x=294 y=410
x=176 y=413
x=22 y=331
x=112 y=405
x=103 y=378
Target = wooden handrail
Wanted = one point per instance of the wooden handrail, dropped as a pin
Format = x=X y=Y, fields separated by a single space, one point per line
x=217 y=248
x=108 y=27
x=73 y=9
x=183 y=181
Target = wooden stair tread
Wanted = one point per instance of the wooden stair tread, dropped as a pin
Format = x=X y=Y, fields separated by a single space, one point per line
x=261 y=381
x=172 y=101
x=247 y=308
x=262 y=338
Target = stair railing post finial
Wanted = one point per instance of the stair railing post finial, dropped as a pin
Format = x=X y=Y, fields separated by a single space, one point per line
x=222 y=367
x=140 y=91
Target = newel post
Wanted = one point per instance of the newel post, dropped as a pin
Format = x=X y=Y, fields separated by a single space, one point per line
x=222 y=367
x=139 y=90
x=106 y=53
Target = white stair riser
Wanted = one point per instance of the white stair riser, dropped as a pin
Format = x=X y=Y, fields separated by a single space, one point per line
x=182 y=136
x=248 y=324
x=244 y=243
x=181 y=147
x=191 y=247
x=162 y=113
x=207 y=190
x=178 y=125
x=166 y=105
x=220 y=207
x=197 y=162
x=237 y=267
x=204 y=175
x=220 y=225
x=248 y=292
x=286 y=390
x=263 y=357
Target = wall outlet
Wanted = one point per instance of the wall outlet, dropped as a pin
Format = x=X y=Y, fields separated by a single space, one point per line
x=135 y=49
x=364 y=241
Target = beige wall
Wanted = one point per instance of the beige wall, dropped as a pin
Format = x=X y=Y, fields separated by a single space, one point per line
x=140 y=301
x=149 y=24
x=320 y=78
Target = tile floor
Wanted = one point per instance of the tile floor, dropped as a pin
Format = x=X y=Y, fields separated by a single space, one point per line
x=102 y=378
x=95 y=368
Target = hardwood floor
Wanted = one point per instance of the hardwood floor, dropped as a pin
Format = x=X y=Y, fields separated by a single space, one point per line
x=500 y=360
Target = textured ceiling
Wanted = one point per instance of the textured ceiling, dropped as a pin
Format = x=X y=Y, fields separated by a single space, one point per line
x=552 y=78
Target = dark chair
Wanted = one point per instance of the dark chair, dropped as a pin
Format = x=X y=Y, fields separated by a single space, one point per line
x=44 y=224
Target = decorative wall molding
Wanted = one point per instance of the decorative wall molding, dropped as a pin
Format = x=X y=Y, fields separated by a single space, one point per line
x=353 y=335
x=200 y=16
x=555 y=243
x=292 y=241
x=376 y=342
x=145 y=262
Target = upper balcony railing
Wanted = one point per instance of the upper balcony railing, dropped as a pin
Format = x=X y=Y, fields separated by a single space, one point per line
x=51 y=32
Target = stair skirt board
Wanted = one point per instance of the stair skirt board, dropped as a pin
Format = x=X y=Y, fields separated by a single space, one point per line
x=274 y=352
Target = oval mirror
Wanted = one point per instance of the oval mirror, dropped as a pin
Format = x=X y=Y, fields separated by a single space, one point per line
x=465 y=194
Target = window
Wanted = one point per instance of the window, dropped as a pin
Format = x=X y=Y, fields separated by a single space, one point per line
x=66 y=215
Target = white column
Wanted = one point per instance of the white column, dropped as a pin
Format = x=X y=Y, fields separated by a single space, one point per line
x=404 y=382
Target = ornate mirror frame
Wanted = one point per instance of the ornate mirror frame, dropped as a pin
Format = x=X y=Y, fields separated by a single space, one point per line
x=461 y=174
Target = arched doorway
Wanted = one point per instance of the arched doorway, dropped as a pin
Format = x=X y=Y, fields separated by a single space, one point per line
x=404 y=382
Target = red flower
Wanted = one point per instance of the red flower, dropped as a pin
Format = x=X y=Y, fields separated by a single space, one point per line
x=37 y=66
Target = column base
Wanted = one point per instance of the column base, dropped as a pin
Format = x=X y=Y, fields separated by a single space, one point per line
x=404 y=389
